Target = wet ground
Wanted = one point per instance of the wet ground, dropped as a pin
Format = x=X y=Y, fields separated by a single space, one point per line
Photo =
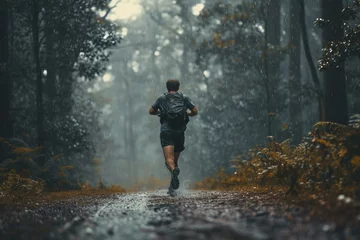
x=154 y=215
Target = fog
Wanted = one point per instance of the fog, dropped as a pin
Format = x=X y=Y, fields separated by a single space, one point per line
x=83 y=75
x=149 y=54
x=164 y=40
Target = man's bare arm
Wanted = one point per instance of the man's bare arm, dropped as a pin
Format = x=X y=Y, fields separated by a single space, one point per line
x=153 y=112
x=193 y=112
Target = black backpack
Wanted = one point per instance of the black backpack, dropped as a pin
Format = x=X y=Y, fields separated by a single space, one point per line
x=175 y=114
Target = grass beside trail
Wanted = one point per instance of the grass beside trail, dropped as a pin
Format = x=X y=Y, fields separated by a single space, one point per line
x=19 y=190
x=24 y=191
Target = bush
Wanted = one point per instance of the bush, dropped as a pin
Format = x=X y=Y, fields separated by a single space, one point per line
x=327 y=160
x=15 y=188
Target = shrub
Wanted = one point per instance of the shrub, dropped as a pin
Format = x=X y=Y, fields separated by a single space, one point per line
x=329 y=159
x=15 y=188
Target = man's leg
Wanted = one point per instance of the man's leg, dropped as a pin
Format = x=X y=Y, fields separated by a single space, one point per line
x=179 y=147
x=169 y=157
x=176 y=158
x=170 y=164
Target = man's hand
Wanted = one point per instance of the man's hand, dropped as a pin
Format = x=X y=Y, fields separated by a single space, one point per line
x=153 y=112
x=193 y=112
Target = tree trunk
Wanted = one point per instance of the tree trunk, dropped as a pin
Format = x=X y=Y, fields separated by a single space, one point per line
x=272 y=63
x=39 y=84
x=273 y=40
x=295 y=106
x=312 y=67
x=266 y=81
x=5 y=82
x=131 y=135
x=184 y=69
x=336 y=109
x=50 y=66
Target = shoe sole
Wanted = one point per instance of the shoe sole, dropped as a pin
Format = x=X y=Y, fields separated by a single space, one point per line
x=172 y=194
x=174 y=178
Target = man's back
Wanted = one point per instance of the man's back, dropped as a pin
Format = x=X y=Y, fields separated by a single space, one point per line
x=163 y=103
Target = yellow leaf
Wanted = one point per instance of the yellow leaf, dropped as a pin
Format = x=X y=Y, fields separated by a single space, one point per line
x=67 y=167
x=56 y=156
x=284 y=126
x=23 y=150
x=355 y=161
x=323 y=142
x=343 y=152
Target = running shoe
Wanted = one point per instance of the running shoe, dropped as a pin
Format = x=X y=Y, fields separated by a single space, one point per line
x=174 y=178
x=171 y=192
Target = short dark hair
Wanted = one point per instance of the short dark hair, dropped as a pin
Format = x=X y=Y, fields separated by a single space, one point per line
x=173 y=85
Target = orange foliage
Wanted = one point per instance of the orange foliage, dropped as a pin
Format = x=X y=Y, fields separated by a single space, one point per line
x=329 y=162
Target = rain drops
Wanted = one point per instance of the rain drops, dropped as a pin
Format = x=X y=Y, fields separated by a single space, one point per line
x=344 y=199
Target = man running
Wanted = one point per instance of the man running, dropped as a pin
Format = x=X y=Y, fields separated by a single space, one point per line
x=172 y=108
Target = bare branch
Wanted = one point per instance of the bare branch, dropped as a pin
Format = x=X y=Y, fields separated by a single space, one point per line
x=41 y=40
x=110 y=9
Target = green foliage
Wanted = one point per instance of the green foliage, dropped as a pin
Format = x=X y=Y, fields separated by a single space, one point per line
x=56 y=175
x=336 y=52
x=231 y=54
x=74 y=42
x=329 y=160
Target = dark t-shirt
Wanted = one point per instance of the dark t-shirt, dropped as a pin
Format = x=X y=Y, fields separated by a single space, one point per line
x=160 y=103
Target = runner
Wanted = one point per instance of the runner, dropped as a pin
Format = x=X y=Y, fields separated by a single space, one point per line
x=172 y=107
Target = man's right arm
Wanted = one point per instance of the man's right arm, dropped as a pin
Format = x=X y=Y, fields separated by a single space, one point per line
x=154 y=109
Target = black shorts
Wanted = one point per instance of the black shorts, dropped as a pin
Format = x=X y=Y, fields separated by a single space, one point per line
x=175 y=139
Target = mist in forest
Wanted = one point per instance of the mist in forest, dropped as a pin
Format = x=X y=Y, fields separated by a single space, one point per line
x=83 y=76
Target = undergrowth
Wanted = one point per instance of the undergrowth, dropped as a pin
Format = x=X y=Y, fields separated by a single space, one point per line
x=16 y=189
x=327 y=161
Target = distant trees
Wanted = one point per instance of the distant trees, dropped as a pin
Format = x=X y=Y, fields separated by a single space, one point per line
x=241 y=53
x=236 y=57
x=54 y=46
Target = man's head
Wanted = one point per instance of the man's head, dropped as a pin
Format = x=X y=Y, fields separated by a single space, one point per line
x=173 y=85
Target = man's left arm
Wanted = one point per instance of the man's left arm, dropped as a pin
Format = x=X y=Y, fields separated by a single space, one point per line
x=152 y=111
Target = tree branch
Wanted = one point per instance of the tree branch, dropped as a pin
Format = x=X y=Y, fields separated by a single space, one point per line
x=307 y=49
x=110 y=9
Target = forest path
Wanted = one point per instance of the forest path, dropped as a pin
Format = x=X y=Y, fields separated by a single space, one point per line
x=154 y=215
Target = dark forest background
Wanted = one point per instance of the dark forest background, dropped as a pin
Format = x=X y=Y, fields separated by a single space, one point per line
x=75 y=85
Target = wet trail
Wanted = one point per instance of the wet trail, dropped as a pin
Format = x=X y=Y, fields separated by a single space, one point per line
x=154 y=215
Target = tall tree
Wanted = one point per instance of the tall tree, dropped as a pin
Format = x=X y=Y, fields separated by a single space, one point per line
x=312 y=67
x=39 y=84
x=295 y=113
x=336 y=109
x=5 y=82
x=273 y=41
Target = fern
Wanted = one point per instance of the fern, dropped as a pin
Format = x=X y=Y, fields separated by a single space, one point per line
x=330 y=160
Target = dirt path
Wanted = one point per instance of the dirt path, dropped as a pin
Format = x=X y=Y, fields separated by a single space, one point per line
x=153 y=215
